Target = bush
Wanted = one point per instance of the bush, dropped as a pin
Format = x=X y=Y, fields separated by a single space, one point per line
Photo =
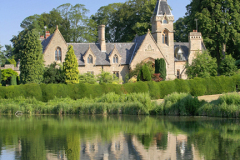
x=227 y=66
x=144 y=74
x=162 y=70
x=138 y=87
x=13 y=80
x=154 y=90
x=182 y=86
x=197 y=86
x=166 y=87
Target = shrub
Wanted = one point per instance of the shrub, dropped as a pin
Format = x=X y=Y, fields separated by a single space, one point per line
x=162 y=71
x=144 y=74
x=13 y=80
x=197 y=86
x=182 y=86
x=138 y=87
x=227 y=66
x=166 y=87
x=154 y=90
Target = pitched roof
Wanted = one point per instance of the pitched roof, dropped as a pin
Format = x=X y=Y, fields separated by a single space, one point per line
x=45 y=42
x=185 y=48
x=102 y=58
x=138 y=41
x=162 y=8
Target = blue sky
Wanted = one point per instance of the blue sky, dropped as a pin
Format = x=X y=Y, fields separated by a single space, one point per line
x=12 y=12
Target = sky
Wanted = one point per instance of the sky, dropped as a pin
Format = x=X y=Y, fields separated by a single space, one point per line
x=13 y=12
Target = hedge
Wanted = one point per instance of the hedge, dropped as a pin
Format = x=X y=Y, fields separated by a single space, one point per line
x=196 y=87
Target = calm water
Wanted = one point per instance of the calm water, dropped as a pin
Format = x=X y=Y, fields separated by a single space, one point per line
x=118 y=137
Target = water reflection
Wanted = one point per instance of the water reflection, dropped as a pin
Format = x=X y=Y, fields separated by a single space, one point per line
x=118 y=138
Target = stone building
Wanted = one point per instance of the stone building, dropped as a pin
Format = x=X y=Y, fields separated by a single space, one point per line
x=120 y=58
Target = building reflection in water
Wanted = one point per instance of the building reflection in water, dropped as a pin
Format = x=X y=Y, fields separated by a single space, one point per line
x=129 y=147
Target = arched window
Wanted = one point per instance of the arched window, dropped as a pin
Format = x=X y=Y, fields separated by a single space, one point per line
x=115 y=59
x=58 y=54
x=165 y=21
x=165 y=37
x=90 y=59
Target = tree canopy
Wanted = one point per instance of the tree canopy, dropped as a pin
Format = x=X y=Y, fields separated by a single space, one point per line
x=202 y=66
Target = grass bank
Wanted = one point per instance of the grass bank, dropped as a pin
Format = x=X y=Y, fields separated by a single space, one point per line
x=176 y=104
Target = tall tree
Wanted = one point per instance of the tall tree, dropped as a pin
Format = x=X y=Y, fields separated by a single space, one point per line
x=181 y=30
x=202 y=66
x=162 y=69
x=227 y=66
x=32 y=66
x=218 y=20
x=70 y=67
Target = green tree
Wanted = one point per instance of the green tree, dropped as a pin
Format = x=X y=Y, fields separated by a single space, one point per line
x=0 y=77
x=138 y=67
x=144 y=74
x=7 y=74
x=162 y=71
x=87 y=78
x=13 y=80
x=227 y=66
x=32 y=66
x=70 y=67
x=157 y=65
x=53 y=74
x=3 y=59
x=219 y=23
x=107 y=77
x=181 y=30
x=202 y=66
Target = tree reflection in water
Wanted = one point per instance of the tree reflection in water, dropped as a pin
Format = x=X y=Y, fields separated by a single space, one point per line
x=119 y=137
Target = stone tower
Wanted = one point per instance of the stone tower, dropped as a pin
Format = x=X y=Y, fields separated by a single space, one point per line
x=163 y=33
x=195 y=44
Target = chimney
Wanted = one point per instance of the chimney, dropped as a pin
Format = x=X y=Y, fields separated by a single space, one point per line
x=101 y=37
x=47 y=34
x=41 y=38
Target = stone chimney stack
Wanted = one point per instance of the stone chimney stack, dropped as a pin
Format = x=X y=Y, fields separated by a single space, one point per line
x=47 y=34
x=101 y=37
x=195 y=44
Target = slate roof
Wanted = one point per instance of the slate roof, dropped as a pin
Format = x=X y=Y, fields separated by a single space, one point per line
x=102 y=58
x=138 y=41
x=45 y=42
x=162 y=8
x=185 y=48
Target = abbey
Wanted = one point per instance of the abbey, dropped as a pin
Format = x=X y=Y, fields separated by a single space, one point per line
x=120 y=58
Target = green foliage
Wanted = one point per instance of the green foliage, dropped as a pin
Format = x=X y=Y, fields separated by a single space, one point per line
x=227 y=66
x=144 y=74
x=154 y=90
x=157 y=65
x=237 y=63
x=107 y=77
x=139 y=66
x=181 y=31
x=0 y=77
x=53 y=74
x=182 y=86
x=70 y=67
x=87 y=78
x=11 y=60
x=202 y=66
x=138 y=87
x=181 y=104
x=197 y=86
x=32 y=66
x=162 y=69
x=166 y=87
x=215 y=34
x=8 y=73
x=13 y=80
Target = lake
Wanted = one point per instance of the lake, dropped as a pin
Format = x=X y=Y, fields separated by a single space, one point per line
x=118 y=138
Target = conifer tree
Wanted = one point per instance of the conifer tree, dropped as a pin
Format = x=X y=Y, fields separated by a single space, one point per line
x=162 y=69
x=157 y=65
x=13 y=80
x=70 y=67
x=32 y=66
x=144 y=74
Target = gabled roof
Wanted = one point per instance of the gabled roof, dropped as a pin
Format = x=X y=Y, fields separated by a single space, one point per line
x=185 y=48
x=45 y=42
x=162 y=8
x=102 y=58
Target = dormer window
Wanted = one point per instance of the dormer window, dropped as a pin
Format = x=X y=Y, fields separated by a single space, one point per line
x=165 y=37
x=58 y=54
x=165 y=21
x=90 y=59
x=115 y=59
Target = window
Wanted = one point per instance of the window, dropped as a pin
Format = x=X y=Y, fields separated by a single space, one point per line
x=116 y=73
x=165 y=21
x=58 y=54
x=115 y=59
x=90 y=59
x=165 y=37
x=178 y=74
